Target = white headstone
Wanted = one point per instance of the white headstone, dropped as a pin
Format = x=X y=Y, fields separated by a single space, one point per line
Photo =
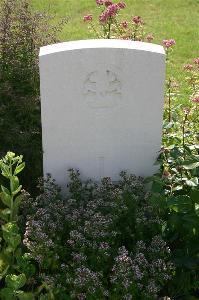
x=102 y=107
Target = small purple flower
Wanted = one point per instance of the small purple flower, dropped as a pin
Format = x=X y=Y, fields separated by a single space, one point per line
x=121 y=5
x=88 y=18
x=99 y=2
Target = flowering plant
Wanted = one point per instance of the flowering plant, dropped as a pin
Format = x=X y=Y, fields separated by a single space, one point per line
x=105 y=239
x=175 y=191
x=112 y=26
x=15 y=266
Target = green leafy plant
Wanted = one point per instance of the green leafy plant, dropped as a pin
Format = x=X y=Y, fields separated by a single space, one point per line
x=175 y=189
x=103 y=241
x=22 y=32
x=12 y=260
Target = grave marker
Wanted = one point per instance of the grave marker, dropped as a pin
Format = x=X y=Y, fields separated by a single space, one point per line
x=102 y=107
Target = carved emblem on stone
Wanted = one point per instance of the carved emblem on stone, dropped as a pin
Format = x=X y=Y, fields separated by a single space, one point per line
x=102 y=89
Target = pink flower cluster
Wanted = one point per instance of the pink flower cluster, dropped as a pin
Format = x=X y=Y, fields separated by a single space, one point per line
x=137 y=20
x=149 y=37
x=88 y=18
x=99 y=2
x=196 y=61
x=121 y=5
x=109 y=2
x=124 y=24
x=195 y=99
x=111 y=10
x=168 y=43
x=188 y=67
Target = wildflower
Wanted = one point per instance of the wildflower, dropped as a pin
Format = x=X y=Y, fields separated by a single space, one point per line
x=149 y=37
x=152 y=288
x=188 y=67
x=138 y=275
x=138 y=20
x=186 y=110
x=88 y=18
x=121 y=5
x=172 y=42
x=196 y=61
x=140 y=245
x=165 y=174
x=140 y=260
x=169 y=43
x=108 y=3
x=157 y=244
x=195 y=99
x=99 y=2
x=124 y=24
x=123 y=256
x=112 y=10
x=103 y=18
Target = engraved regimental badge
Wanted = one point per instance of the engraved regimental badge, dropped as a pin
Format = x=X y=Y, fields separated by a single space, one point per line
x=102 y=88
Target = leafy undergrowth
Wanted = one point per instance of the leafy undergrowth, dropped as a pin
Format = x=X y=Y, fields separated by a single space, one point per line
x=104 y=241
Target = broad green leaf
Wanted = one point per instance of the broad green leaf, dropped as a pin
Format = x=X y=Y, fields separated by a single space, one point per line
x=5 y=255
x=180 y=203
x=197 y=209
x=5 y=190
x=178 y=188
x=14 y=183
x=168 y=125
x=5 y=171
x=17 y=201
x=157 y=186
x=25 y=296
x=17 y=190
x=43 y=297
x=195 y=195
x=15 y=282
x=6 y=199
x=4 y=214
x=191 y=166
x=7 y=294
x=10 y=235
x=192 y=182
x=3 y=266
x=23 y=261
x=19 y=168
x=16 y=205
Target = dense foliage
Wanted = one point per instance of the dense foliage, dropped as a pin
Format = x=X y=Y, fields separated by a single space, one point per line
x=22 y=33
x=134 y=239
x=104 y=241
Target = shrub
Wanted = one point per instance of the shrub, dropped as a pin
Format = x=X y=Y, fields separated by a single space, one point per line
x=15 y=266
x=105 y=239
x=22 y=33
x=175 y=189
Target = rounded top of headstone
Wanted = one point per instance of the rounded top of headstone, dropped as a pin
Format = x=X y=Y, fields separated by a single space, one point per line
x=101 y=43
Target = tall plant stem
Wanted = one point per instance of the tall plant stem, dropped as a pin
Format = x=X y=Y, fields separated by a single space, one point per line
x=169 y=91
x=109 y=30
x=183 y=133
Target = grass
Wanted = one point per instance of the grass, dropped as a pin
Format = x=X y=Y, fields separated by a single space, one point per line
x=177 y=19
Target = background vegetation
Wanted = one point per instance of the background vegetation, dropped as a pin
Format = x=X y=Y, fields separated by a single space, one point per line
x=177 y=19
